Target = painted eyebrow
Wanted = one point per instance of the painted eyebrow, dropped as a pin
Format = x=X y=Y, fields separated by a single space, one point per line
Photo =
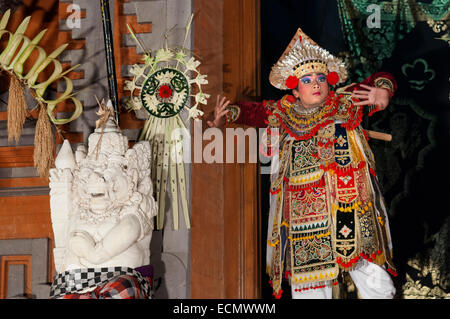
x=311 y=74
x=306 y=77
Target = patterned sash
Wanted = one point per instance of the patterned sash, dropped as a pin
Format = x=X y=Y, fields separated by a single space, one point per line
x=78 y=280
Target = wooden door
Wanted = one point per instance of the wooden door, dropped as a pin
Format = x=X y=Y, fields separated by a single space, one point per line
x=225 y=238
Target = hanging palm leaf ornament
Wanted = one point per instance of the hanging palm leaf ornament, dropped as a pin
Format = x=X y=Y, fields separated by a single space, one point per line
x=17 y=52
x=164 y=87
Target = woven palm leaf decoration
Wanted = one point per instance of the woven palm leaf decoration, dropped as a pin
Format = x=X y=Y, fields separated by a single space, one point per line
x=164 y=87
x=12 y=60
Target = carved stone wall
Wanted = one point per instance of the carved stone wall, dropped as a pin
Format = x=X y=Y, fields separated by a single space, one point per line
x=150 y=20
x=18 y=179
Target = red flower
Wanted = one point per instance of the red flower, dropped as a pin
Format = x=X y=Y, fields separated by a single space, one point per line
x=292 y=82
x=165 y=91
x=333 y=78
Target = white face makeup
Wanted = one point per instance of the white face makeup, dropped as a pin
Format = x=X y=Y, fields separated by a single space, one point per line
x=312 y=90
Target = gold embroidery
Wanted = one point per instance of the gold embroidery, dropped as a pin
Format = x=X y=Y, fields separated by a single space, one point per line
x=233 y=113
x=384 y=83
x=310 y=236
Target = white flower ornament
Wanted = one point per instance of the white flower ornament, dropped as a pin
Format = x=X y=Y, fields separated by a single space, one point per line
x=163 y=86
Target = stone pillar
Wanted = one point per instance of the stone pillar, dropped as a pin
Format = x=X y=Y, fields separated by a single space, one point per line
x=61 y=198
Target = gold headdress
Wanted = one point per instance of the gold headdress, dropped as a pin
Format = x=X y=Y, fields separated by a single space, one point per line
x=304 y=56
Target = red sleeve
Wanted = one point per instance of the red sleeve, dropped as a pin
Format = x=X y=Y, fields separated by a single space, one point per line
x=252 y=114
x=379 y=79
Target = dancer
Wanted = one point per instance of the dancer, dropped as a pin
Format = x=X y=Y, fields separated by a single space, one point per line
x=327 y=214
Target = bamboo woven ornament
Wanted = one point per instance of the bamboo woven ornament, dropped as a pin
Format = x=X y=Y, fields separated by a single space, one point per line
x=164 y=86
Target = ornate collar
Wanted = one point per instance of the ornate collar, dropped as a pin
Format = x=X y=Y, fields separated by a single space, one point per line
x=302 y=124
x=300 y=109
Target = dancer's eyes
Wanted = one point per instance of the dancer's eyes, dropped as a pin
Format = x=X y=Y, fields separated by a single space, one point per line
x=306 y=80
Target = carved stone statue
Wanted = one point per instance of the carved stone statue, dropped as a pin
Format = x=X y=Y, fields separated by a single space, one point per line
x=102 y=212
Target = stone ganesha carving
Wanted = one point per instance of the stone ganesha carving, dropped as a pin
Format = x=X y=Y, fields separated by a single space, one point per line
x=101 y=201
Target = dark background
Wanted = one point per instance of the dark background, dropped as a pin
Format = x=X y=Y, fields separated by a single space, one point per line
x=413 y=167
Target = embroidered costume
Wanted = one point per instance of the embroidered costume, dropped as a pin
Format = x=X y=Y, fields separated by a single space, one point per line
x=326 y=209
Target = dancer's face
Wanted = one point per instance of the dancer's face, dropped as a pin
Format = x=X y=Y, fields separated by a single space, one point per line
x=312 y=90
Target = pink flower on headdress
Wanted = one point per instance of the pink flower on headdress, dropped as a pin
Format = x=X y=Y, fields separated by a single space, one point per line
x=292 y=82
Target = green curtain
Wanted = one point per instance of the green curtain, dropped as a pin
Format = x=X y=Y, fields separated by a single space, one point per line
x=411 y=42
x=369 y=46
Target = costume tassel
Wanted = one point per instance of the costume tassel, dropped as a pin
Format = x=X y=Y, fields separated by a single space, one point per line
x=380 y=259
x=17 y=108
x=392 y=272
x=278 y=294
x=43 y=143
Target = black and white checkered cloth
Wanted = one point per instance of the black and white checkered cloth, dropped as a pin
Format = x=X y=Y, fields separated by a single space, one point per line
x=77 y=280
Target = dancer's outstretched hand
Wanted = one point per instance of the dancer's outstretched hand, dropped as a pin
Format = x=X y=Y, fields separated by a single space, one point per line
x=220 y=111
x=373 y=96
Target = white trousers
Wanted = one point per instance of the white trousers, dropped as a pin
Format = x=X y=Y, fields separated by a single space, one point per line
x=371 y=280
